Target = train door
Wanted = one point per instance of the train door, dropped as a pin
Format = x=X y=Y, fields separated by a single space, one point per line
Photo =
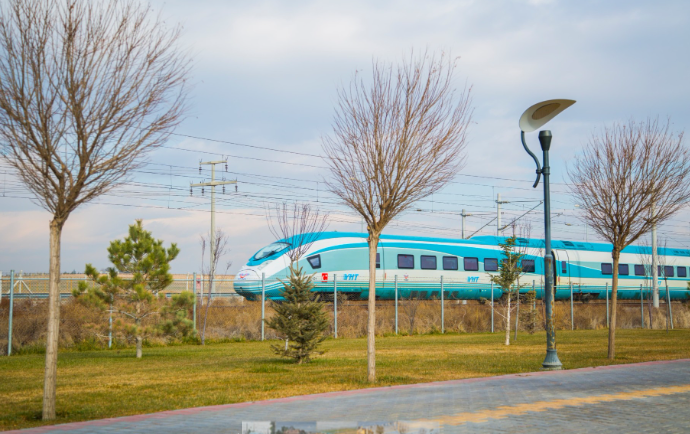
x=574 y=271
x=561 y=270
x=381 y=274
x=555 y=263
x=380 y=263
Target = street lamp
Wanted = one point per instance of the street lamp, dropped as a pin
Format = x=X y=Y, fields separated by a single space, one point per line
x=532 y=119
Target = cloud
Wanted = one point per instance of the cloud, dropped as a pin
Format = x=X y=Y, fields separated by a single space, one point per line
x=266 y=74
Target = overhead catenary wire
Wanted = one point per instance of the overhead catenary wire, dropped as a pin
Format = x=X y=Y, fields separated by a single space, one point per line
x=287 y=189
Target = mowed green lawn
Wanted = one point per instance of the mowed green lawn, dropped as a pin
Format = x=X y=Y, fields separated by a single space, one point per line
x=99 y=384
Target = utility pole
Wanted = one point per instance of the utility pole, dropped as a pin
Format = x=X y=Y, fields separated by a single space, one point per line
x=464 y=214
x=498 y=215
x=213 y=185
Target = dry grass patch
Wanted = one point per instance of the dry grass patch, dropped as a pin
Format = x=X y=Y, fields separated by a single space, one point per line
x=98 y=384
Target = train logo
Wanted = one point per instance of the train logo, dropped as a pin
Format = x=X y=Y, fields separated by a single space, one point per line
x=243 y=275
x=350 y=276
x=324 y=276
x=473 y=279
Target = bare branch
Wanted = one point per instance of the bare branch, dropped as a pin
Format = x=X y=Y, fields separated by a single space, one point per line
x=220 y=248
x=398 y=139
x=629 y=178
x=86 y=90
x=299 y=225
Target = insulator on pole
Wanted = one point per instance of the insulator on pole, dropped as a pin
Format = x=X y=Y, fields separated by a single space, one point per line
x=235 y=187
x=202 y=191
x=199 y=170
x=223 y=189
x=226 y=166
x=190 y=191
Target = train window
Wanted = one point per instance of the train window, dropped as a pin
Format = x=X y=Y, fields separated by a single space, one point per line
x=450 y=262
x=668 y=271
x=606 y=268
x=658 y=271
x=405 y=261
x=428 y=262
x=639 y=270
x=623 y=269
x=682 y=272
x=378 y=260
x=490 y=264
x=564 y=266
x=471 y=264
x=270 y=250
x=528 y=265
x=315 y=261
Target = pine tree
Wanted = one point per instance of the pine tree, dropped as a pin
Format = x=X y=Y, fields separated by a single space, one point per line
x=509 y=271
x=146 y=264
x=300 y=318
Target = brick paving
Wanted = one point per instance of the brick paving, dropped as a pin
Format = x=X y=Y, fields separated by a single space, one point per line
x=643 y=397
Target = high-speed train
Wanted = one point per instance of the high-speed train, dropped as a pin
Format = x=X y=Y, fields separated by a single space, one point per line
x=420 y=267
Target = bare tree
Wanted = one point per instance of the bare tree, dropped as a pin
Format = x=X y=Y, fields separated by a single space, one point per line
x=220 y=248
x=298 y=224
x=665 y=271
x=524 y=231
x=410 y=306
x=507 y=278
x=645 y=257
x=86 y=89
x=622 y=175
x=395 y=140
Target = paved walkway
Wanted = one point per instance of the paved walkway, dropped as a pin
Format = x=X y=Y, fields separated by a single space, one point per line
x=644 y=397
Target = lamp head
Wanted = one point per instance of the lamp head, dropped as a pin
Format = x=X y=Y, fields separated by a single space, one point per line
x=539 y=114
x=545 y=139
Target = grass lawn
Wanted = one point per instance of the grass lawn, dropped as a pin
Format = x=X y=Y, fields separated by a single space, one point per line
x=99 y=384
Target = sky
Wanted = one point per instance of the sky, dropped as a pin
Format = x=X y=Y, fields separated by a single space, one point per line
x=265 y=78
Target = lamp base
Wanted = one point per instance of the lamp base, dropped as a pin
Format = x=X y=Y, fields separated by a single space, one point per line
x=551 y=362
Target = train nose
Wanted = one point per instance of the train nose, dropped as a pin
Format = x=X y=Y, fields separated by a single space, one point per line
x=247 y=283
x=246 y=274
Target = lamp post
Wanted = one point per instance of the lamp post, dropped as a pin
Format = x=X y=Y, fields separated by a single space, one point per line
x=532 y=119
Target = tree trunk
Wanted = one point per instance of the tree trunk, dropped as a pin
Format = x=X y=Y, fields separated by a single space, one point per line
x=614 y=302
x=139 y=339
x=508 y=319
x=50 y=377
x=668 y=302
x=371 y=326
x=650 y=306
x=517 y=311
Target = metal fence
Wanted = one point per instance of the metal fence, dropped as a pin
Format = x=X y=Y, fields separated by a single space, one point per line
x=416 y=306
x=448 y=290
x=37 y=286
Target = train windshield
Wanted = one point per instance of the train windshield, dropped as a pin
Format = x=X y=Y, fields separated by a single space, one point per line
x=269 y=250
